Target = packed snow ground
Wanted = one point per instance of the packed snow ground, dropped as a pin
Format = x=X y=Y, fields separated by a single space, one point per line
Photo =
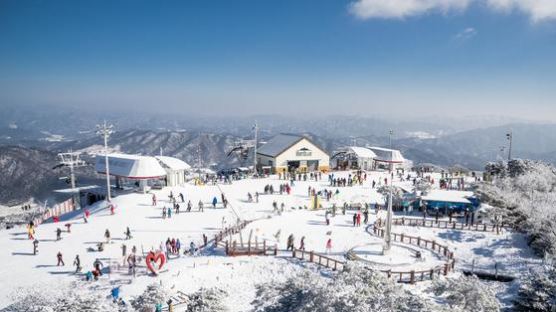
x=21 y=269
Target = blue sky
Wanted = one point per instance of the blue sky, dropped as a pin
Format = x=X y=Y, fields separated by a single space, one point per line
x=391 y=57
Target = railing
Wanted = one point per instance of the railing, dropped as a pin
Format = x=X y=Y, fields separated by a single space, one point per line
x=443 y=224
x=233 y=250
x=319 y=259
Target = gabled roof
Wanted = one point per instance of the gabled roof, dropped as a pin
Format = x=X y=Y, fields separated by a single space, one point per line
x=130 y=166
x=387 y=155
x=280 y=143
x=362 y=152
x=173 y=163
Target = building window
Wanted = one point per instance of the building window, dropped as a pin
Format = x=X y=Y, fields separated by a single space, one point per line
x=304 y=152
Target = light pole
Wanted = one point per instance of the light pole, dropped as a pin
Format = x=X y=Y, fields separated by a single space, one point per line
x=256 y=130
x=388 y=234
x=391 y=132
x=509 y=137
x=105 y=130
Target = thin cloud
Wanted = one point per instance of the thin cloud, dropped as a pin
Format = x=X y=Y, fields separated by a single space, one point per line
x=537 y=10
x=465 y=34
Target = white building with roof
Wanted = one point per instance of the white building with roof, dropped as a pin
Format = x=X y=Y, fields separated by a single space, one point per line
x=291 y=153
x=355 y=157
x=176 y=170
x=388 y=158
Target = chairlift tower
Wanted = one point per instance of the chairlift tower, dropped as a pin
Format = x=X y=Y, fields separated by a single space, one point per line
x=71 y=160
x=105 y=130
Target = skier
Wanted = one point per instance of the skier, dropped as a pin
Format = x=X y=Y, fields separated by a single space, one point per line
x=366 y=216
x=127 y=233
x=112 y=209
x=189 y=206
x=358 y=218
x=35 y=247
x=58 y=234
x=329 y=246
x=68 y=227
x=164 y=213
x=60 y=260
x=77 y=264
x=169 y=213
x=201 y=206
x=182 y=198
x=124 y=250
x=107 y=236
x=354 y=219
x=327 y=218
x=214 y=202
x=154 y=200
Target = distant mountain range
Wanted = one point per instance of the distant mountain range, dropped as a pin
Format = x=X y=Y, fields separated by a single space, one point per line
x=30 y=139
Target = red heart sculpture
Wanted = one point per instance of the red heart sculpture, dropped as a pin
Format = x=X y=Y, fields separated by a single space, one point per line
x=155 y=257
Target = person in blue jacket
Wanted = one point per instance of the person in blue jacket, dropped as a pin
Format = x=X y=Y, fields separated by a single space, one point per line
x=214 y=202
x=115 y=292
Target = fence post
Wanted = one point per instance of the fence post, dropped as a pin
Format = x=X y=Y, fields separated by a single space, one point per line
x=249 y=248
x=311 y=255
x=446 y=269
x=293 y=253
x=275 y=250
x=433 y=245
x=401 y=238
x=227 y=249
x=412 y=277
x=419 y=241
x=432 y=274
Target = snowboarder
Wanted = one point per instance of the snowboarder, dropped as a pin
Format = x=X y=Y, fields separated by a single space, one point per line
x=35 y=247
x=107 y=236
x=58 y=234
x=77 y=264
x=60 y=259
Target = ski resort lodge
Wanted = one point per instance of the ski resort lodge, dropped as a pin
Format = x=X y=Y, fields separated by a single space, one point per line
x=291 y=153
x=144 y=169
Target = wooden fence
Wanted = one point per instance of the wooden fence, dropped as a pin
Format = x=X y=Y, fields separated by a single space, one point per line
x=256 y=249
x=321 y=260
x=443 y=224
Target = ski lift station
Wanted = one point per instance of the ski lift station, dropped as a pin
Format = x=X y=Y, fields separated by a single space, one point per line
x=144 y=171
x=291 y=153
